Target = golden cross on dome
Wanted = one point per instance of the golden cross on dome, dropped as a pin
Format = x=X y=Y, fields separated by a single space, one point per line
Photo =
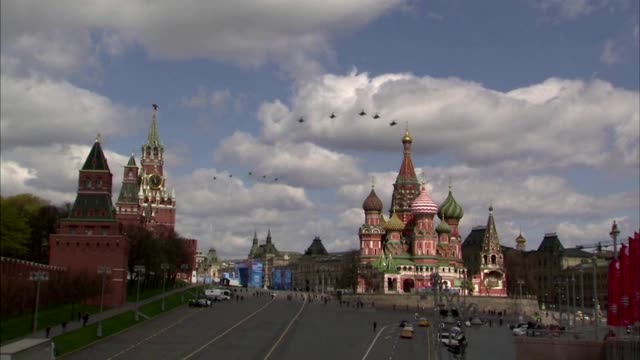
x=449 y=183
x=373 y=182
x=98 y=137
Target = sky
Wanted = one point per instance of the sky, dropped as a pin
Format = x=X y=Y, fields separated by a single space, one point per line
x=531 y=106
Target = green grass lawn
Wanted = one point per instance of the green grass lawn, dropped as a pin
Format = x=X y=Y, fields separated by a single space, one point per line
x=23 y=325
x=74 y=340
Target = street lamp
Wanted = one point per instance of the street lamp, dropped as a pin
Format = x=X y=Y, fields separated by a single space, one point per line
x=184 y=268
x=573 y=291
x=104 y=271
x=596 y=305
x=37 y=276
x=139 y=270
x=582 y=293
x=164 y=268
x=520 y=282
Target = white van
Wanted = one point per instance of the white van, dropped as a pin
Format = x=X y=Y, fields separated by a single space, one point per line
x=217 y=294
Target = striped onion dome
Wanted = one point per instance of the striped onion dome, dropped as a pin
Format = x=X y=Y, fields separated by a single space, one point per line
x=372 y=202
x=450 y=209
x=423 y=204
x=394 y=223
x=443 y=228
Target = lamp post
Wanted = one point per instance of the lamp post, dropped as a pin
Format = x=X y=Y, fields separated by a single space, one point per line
x=164 y=268
x=184 y=268
x=520 y=282
x=614 y=235
x=139 y=269
x=573 y=291
x=37 y=276
x=558 y=291
x=104 y=271
x=566 y=284
x=596 y=304
x=582 y=293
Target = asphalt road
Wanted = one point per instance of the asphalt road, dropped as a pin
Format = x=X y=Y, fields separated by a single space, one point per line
x=262 y=328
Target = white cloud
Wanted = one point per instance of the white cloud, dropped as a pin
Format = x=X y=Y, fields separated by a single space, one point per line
x=539 y=125
x=37 y=111
x=574 y=234
x=218 y=100
x=248 y=33
x=51 y=172
x=571 y=9
x=298 y=164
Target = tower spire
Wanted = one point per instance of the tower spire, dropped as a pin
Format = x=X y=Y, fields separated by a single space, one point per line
x=152 y=138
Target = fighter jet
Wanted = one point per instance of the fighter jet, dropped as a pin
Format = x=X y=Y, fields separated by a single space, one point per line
x=332 y=116
x=301 y=120
x=362 y=113
x=393 y=123
x=376 y=116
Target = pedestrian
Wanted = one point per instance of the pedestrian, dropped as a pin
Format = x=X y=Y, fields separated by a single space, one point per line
x=85 y=319
x=64 y=326
x=48 y=331
x=79 y=316
x=375 y=325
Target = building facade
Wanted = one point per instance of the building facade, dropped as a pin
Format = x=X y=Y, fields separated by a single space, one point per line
x=408 y=247
x=91 y=237
x=268 y=255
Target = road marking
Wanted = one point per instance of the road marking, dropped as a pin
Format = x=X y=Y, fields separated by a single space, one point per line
x=154 y=335
x=373 y=343
x=285 y=331
x=227 y=331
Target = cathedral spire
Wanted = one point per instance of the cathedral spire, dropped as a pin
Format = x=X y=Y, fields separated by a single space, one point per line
x=491 y=241
x=269 y=236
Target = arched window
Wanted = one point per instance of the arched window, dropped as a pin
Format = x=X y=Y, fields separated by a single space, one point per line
x=484 y=258
x=87 y=183
x=99 y=183
x=130 y=174
x=493 y=259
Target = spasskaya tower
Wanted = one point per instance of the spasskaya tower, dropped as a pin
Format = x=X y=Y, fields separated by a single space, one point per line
x=158 y=205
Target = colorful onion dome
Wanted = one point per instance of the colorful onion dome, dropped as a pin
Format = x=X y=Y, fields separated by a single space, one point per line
x=372 y=202
x=394 y=223
x=443 y=228
x=423 y=203
x=450 y=209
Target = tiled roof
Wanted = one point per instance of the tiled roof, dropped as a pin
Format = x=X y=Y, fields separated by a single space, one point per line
x=96 y=161
x=316 y=248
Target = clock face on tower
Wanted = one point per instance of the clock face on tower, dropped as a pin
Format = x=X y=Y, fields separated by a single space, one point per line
x=155 y=181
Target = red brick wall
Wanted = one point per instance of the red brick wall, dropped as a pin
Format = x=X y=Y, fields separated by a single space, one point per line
x=87 y=253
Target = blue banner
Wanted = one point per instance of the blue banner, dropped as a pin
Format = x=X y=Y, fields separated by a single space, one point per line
x=256 y=275
x=288 y=280
x=276 y=279
x=243 y=274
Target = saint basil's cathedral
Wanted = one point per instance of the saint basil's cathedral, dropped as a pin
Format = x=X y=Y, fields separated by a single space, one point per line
x=399 y=254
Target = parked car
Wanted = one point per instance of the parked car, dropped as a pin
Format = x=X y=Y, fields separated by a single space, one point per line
x=403 y=323
x=199 y=303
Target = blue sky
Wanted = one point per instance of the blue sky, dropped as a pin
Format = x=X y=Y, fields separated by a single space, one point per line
x=531 y=105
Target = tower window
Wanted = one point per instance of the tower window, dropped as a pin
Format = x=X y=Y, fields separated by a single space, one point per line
x=87 y=183
x=99 y=183
x=493 y=259
x=130 y=174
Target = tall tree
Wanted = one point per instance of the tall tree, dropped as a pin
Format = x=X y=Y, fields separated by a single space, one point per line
x=349 y=276
x=14 y=231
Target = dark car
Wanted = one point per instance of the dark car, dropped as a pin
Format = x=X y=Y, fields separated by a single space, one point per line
x=199 y=303
x=403 y=323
